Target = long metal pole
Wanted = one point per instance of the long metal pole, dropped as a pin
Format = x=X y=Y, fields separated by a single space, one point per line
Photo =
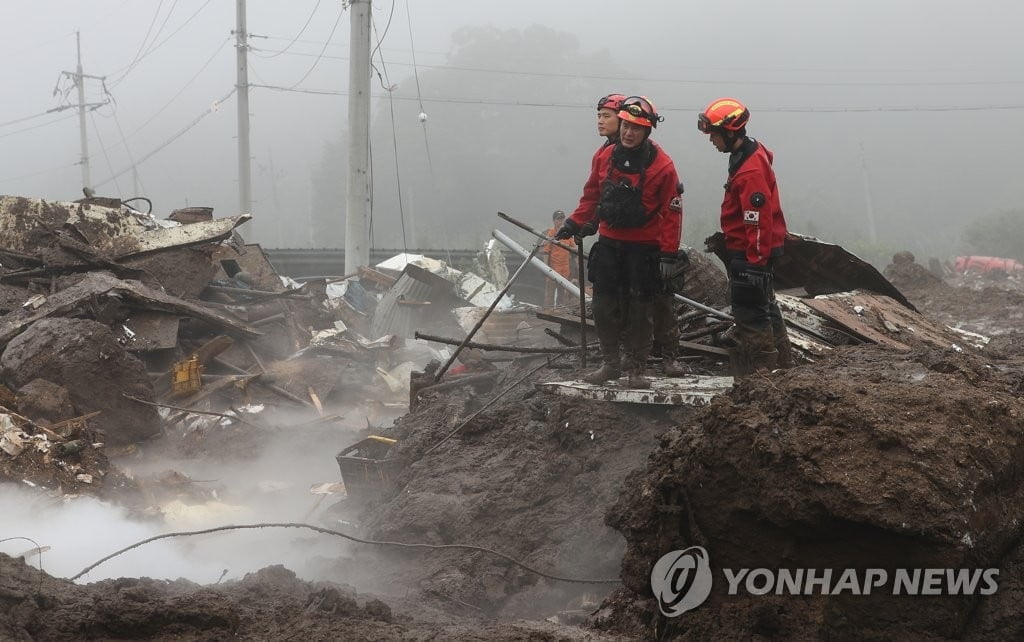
x=80 y=81
x=242 y=85
x=581 y=269
x=524 y=226
x=357 y=205
x=512 y=279
x=537 y=263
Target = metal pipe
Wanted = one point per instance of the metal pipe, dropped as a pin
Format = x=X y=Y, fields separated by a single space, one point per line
x=529 y=229
x=505 y=240
x=483 y=317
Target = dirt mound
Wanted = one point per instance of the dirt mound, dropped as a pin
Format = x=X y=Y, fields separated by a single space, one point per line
x=530 y=478
x=270 y=604
x=94 y=368
x=865 y=460
x=906 y=274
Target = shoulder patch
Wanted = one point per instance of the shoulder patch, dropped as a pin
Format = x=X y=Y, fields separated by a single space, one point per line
x=757 y=199
x=751 y=217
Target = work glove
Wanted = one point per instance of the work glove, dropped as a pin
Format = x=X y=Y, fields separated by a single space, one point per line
x=672 y=269
x=758 y=276
x=569 y=229
x=589 y=228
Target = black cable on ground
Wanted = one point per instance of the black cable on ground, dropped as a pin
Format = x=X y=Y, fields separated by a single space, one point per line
x=328 y=531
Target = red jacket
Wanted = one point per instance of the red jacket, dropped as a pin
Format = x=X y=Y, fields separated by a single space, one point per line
x=752 y=218
x=661 y=184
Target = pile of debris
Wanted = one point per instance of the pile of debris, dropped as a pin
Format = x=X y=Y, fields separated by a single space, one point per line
x=118 y=327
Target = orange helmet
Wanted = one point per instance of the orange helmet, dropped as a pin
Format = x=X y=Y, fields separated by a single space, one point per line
x=726 y=114
x=639 y=110
x=611 y=101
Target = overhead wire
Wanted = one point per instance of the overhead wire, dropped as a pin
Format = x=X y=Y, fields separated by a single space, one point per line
x=567 y=105
x=110 y=166
x=167 y=103
x=125 y=70
x=419 y=94
x=181 y=132
x=145 y=38
x=714 y=81
x=394 y=129
x=327 y=42
x=51 y=122
x=301 y=31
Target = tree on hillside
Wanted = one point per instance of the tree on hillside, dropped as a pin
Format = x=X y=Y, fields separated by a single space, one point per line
x=1000 y=234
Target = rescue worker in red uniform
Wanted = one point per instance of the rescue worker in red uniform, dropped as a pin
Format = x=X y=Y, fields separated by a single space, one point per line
x=665 y=324
x=755 y=231
x=559 y=260
x=631 y=186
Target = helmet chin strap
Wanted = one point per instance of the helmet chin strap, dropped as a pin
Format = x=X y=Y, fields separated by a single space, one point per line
x=730 y=138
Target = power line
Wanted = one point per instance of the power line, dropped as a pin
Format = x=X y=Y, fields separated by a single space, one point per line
x=23 y=119
x=301 y=31
x=796 y=110
x=39 y=173
x=145 y=38
x=329 y=36
x=128 y=69
x=105 y=155
x=171 y=100
x=56 y=120
x=717 y=81
x=213 y=108
x=419 y=94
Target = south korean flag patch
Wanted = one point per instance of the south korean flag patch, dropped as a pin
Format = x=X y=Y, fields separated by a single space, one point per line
x=752 y=217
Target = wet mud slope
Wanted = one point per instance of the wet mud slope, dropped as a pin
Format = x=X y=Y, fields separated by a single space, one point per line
x=867 y=459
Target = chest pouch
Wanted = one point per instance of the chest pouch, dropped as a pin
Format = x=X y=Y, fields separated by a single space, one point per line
x=621 y=203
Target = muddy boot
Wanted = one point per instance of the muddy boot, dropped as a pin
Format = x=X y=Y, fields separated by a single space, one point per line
x=780 y=338
x=637 y=335
x=755 y=351
x=671 y=365
x=606 y=372
x=765 y=360
x=607 y=321
x=636 y=378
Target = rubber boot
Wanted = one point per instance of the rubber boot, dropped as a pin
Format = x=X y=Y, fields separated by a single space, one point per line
x=671 y=365
x=636 y=378
x=755 y=351
x=637 y=334
x=607 y=322
x=780 y=338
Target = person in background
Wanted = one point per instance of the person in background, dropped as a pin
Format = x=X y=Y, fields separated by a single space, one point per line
x=560 y=260
x=755 y=231
x=628 y=194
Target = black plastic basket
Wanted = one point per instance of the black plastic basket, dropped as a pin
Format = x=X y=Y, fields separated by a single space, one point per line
x=365 y=469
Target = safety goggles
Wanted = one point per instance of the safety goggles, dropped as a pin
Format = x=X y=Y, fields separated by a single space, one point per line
x=610 y=98
x=704 y=124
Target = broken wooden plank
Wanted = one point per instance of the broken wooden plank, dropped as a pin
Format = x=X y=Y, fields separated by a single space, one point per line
x=97 y=283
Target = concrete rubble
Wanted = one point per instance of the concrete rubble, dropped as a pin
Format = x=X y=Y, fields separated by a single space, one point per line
x=120 y=331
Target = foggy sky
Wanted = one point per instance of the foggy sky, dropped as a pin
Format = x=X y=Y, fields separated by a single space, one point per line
x=887 y=103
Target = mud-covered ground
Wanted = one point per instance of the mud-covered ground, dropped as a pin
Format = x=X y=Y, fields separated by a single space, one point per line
x=867 y=457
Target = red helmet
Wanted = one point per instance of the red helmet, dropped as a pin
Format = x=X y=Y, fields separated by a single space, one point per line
x=611 y=101
x=639 y=110
x=726 y=114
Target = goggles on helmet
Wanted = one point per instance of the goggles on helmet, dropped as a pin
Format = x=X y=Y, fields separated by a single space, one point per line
x=611 y=101
x=639 y=110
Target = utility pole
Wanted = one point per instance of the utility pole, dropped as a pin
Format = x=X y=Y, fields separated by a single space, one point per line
x=83 y=134
x=357 y=208
x=872 y=233
x=242 y=85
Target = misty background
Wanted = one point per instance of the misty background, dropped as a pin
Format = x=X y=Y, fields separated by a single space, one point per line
x=906 y=112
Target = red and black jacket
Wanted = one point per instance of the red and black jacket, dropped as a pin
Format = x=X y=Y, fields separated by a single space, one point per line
x=660 y=186
x=752 y=219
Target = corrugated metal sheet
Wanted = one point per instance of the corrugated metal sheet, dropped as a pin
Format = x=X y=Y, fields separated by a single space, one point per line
x=414 y=286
